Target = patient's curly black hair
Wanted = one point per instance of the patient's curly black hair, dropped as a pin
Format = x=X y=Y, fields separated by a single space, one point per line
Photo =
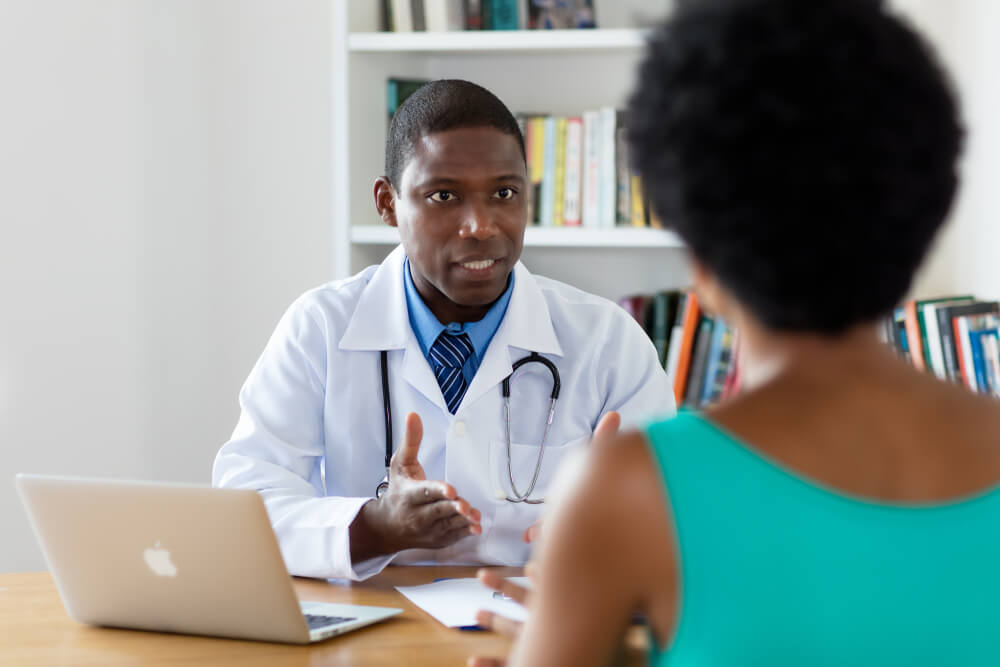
x=805 y=150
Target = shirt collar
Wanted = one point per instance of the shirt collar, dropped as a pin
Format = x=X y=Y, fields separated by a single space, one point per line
x=427 y=328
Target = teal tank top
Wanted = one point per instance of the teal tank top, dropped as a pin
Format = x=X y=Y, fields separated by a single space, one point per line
x=776 y=570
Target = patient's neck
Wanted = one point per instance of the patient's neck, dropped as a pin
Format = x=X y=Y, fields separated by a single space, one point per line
x=765 y=354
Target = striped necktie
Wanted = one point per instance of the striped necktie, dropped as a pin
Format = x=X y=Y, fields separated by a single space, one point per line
x=448 y=355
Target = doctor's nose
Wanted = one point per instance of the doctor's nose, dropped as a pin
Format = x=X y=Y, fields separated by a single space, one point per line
x=478 y=224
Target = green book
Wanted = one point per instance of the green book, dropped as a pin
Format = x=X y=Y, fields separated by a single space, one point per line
x=660 y=322
x=397 y=90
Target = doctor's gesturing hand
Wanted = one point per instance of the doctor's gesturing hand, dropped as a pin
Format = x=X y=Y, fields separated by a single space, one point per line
x=414 y=512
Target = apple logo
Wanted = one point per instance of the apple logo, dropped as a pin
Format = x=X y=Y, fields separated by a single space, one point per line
x=158 y=560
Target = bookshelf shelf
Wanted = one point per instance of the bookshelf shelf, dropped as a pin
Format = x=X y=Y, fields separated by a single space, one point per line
x=503 y=41
x=544 y=237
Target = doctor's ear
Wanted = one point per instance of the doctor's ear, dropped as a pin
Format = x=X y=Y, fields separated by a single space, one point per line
x=385 y=200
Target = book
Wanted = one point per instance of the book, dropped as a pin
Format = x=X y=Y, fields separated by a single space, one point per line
x=623 y=178
x=444 y=15
x=500 y=14
x=712 y=360
x=976 y=343
x=689 y=329
x=965 y=326
x=607 y=170
x=591 y=213
x=696 y=374
x=547 y=201
x=418 y=15
x=536 y=165
x=636 y=307
x=473 y=14
x=991 y=360
x=402 y=15
x=949 y=349
x=396 y=91
x=559 y=178
x=659 y=327
x=913 y=334
x=574 y=171
x=719 y=377
x=638 y=211
x=931 y=333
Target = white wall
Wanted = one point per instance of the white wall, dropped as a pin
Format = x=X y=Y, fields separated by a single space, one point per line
x=164 y=194
x=966 y=258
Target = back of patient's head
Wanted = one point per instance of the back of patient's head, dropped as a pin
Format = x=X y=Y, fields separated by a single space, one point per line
x=805 y=150
x=438 y=106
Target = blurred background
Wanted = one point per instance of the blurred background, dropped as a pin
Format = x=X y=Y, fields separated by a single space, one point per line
x=167 y=189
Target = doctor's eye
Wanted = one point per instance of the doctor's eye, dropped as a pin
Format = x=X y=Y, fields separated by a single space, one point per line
x=442 y=196
x=505 y=193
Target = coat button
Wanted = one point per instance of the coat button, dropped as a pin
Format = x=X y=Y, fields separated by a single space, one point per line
x=459 y=429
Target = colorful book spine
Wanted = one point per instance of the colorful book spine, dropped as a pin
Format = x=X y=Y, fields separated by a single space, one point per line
x=607 y=171
x=913 y=335
x=976 y=338
x=712 y=364
x=696 y=381
x=549 y=174
x=591 y=216
x=991 y=357
x=690 y=328
x=638 y=211
x=623 y=179
x=963 y=347
x=574 y=172
x=676 y=336
x=660 y=328
x=559 y=177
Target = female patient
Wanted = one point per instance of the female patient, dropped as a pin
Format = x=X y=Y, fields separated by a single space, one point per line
x=845 y=509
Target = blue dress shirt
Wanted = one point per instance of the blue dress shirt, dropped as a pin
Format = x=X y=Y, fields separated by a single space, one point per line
x=427 y=327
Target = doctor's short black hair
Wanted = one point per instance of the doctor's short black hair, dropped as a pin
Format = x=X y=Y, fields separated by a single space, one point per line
x=446 y=104
x=804 y=150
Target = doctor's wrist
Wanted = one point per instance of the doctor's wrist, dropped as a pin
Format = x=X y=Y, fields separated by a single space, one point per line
x=366 y=533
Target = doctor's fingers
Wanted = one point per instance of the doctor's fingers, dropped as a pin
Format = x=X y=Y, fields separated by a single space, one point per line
x=450 y=515
x=406 y=455
x=425 y=493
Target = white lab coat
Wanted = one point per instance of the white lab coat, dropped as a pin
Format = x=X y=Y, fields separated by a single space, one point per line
x=311 y=436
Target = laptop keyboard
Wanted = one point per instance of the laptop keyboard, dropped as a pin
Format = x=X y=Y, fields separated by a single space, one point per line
x=317 y=621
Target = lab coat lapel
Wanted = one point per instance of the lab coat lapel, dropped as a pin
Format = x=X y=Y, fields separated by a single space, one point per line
x=526 y=327
x=381 y=322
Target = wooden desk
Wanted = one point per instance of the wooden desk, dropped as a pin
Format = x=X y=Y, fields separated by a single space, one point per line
x=35 y=630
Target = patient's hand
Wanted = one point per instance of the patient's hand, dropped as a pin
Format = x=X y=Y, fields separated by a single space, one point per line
x=490 y=621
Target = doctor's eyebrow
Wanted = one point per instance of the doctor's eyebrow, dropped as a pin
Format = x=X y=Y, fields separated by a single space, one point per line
x=447 y=182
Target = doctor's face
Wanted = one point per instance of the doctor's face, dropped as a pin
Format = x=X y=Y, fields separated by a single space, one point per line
x=461 y=209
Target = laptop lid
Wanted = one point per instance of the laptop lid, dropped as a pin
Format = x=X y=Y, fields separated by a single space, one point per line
x=164 y=557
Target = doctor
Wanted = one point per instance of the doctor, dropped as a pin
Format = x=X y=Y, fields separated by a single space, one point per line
x=450 y=312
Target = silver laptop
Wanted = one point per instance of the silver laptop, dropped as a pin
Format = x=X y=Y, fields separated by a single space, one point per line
x=175 y=558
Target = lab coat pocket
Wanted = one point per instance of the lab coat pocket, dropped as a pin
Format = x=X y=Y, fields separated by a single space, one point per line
x=504 y=543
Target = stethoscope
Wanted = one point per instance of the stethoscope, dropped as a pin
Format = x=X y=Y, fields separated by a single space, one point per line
x=505 y=388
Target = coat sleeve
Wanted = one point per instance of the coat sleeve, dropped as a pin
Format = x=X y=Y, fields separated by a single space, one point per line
x=634 y=382
x=278 y=449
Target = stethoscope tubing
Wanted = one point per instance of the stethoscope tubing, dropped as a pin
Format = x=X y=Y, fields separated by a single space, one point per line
x=519 y=497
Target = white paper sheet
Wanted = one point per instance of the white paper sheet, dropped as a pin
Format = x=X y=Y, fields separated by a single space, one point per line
x=454 y=602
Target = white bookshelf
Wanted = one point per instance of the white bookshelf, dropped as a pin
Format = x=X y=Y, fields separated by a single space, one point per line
x=558 y=72
x=499 y=41
x=547 y=237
